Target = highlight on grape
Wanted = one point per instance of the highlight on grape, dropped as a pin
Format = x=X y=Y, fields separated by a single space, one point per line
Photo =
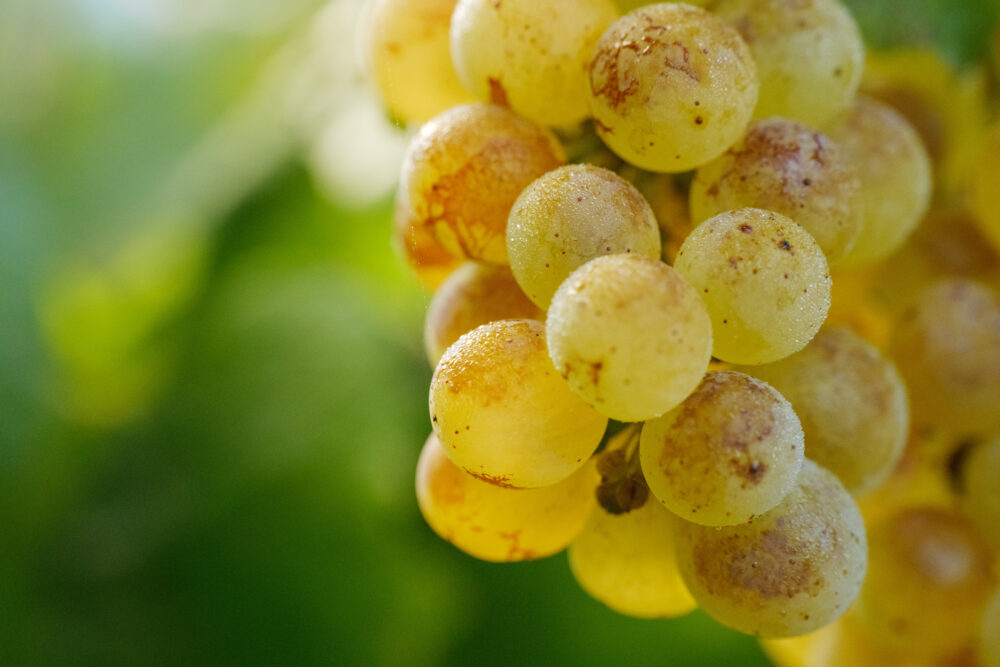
x=715 y=310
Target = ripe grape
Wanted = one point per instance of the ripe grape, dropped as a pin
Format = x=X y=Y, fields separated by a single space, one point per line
x=787 y=167
x=980 y=486
x=427 y=259
x=474 y=294
x=947 y=346
x=503 y=413
x=568 y=217
x=630 y=335
x=895 y=173
x=628 y=562
x=852 y=403
x=764 y=280
x=529 y=55
x=928 y=579
x=463 y=171
x=730 y=451
x=409 y=57
x=497 y=524
x=671 y=87
x=790 y=571
x=809 y=55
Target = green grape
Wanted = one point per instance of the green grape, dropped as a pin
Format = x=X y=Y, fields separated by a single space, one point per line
x=427 y=259
x=464 y=170
x=895 y=173
x=809 y=55
x=474 y=294
x=529 y=55
x=852 y=403
x=784 y=166
x=630 y=335
x=789 y=571
x=928 y=579
x=985 y=186
x=947 y=346
x=764 y=280
x=980 y=485
x=568 y=217
x=671 y=87
x=407 y=52
x=731 y=451
x=497 y=524
x=627 y=561
x=503 y=413
x=988 y=643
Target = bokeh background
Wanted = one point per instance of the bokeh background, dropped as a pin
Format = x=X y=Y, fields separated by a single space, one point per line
x=212 y=384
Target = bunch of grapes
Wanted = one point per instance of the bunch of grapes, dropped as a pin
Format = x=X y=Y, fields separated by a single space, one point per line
x=702 y=316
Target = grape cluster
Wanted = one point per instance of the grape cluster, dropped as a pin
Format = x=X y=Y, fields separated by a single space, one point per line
x=708 y=314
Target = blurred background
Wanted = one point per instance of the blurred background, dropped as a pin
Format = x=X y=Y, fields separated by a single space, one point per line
x=212 y=382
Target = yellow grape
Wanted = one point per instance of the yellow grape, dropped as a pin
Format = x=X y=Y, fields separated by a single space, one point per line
x=409 y=57
x=790 y=571
x=568 y=217
x=427 y=259
x=627 y=561
x=764 y=280
x=671 y=87
x=980 y=486
x=928 y=580
x=503 y=413
x=474 y=294
x=787 y=167
x=895 y=173
x=529 y=55
x=498 y=524
x=730 y=451
x=463 y=171
x=809 y=55
x=947 y=346
x=852 y=403
x=630 y=335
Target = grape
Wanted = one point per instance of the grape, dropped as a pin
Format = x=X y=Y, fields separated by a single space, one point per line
x=498 y=524
x=989 y=632
x=789 y=571
x=503 y=413
x=671 y=87
x=947 y=346
x=627 y=561
x=475 y=294
x=895 y=176
x=426 y=258
x=630 y=335
x=786 y=167
x=409 y=57
x=463 y=171
x=570 y=216
x=529 y=55
x=985 y=187
x=852 y=403
x=729 y=452
x=764 y=280
x=809 y=55
x=980 y=483
x=928 y=578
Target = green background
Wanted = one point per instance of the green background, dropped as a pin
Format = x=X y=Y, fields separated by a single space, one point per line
x=212 y=383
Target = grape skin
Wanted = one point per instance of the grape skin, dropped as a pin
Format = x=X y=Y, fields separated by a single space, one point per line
x=529 y=55
x=630 y=335
x=427 y=259
x=464 y=170
x=671 y=87
x=730 y=451
x=787 y=167
x=504 y=414
x=790 y=571
x=474 y=294
x=764 y=280
x=497 y=524
x=572 y=215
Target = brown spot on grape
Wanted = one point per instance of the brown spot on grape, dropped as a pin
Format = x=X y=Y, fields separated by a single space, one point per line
x=699 y=120
x=502 y=481
x=498 y=95
x=745 y=228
